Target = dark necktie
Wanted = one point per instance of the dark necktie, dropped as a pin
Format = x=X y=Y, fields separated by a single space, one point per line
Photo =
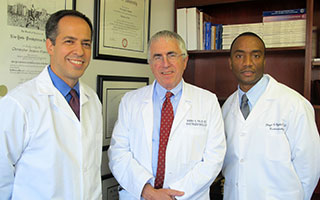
x=165 y=128
x=74 y=103
x=244 y=107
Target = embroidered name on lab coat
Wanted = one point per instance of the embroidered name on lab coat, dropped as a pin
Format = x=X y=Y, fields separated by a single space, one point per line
x=276 y=126
x=196 y=122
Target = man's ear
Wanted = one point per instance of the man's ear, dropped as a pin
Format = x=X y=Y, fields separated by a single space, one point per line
x=49 y=46
x=230 y=63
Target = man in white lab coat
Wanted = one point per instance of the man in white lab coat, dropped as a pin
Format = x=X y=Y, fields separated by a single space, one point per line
x=196 y=146
x=47 y=149
x=272 y=138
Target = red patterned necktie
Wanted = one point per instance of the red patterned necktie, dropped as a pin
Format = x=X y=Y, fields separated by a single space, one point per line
x=74 y=103
x=165 y=127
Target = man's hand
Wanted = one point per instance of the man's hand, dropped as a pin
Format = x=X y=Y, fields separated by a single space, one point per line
x=150 y=193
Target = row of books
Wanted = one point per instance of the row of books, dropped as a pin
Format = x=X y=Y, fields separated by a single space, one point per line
x=275 y=34
x=197 y=29
x=282 y=28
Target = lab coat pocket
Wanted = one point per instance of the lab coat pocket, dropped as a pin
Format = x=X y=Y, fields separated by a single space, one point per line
x=277 y=146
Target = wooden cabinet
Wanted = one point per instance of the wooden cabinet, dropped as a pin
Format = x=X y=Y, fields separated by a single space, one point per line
x=292 y=66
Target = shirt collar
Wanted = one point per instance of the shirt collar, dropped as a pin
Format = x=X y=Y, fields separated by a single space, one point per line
x=256 y=91
x=62 y=86
x=161 y=91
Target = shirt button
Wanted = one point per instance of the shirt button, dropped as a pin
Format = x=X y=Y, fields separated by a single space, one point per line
x=241 y=160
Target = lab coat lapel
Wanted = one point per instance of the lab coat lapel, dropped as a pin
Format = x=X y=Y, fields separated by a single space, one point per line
x=182 y=109
x=263 y=103
x=147 y=115
x=261 y=106
x=84 y=96
x=59 y=103
x=235 y=106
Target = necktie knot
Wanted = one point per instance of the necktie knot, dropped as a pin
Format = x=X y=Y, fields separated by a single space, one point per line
x=168 y=95
x=244 y=99
x=73 y=93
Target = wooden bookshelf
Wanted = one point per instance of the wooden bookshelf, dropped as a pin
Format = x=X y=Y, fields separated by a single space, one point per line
x=292 y=66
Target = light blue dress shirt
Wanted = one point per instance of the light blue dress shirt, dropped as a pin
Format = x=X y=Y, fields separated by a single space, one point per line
x=63 y=88
x=255 y=92
x=158 y=98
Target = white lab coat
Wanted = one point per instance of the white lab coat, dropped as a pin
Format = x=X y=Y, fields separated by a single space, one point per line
x=195 y=149
x=274 y=154
x=45 y=152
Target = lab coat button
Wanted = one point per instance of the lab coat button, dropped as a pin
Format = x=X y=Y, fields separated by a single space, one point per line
x=241 y=160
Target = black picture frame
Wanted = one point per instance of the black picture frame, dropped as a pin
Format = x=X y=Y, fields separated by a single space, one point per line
x=110 y=90
x=121 y=43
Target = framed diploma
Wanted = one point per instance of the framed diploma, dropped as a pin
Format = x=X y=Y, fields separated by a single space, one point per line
x=23 y=48
x=122 y=30
x=110 y=90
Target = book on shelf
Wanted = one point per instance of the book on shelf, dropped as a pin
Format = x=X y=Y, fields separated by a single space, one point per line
x=203 y=18
x=314 y=41
x=218 y=30
x=230 y=32
x=284 y=12
x=213 y=37
x=193 y=28
x=284 y=33
x=182 y=24
x=283 y=17
x=207 y=31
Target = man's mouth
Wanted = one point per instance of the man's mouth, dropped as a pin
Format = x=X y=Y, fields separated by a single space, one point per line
x=167 y=73
x=76 y=62
x=247 y=73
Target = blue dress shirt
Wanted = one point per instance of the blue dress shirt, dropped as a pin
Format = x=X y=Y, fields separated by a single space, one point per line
x=255 y=92
x=62 y=86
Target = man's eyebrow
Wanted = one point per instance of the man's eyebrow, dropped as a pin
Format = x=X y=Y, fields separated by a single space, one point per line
x=73 y=38
x=87 y=40
x=256 y=51
x=238 y=51
x=69 y=38
x=157 y=54
x=253 y=51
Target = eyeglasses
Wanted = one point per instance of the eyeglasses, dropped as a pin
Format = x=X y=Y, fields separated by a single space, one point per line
x=171 y=56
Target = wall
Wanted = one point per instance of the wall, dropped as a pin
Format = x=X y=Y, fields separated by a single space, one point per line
x=162 y=17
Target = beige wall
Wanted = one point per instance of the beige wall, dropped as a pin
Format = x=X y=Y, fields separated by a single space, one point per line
x=162 y=17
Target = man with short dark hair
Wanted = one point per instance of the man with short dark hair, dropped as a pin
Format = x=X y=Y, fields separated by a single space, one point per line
x=272 y=138
x=51 y=126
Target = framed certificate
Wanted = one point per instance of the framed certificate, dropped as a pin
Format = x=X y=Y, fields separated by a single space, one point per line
x=23 y=48
x=110 y=90
x=122 y=30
